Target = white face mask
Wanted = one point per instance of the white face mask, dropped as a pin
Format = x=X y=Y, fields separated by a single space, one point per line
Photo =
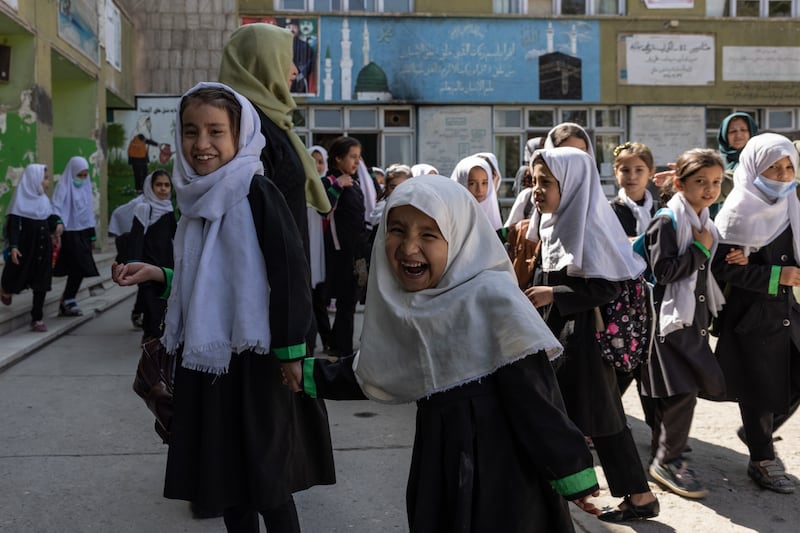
x=774 y=189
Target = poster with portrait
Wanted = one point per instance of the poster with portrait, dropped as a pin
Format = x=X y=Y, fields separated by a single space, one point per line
x=77 y=24
x=304 y=49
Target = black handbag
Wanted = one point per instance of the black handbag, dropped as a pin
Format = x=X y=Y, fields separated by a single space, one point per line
x=154 y=382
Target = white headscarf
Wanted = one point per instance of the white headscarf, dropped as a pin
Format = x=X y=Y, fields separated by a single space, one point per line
x=489 y=204
x=367 y=188
x=548 y=142
x=30 y=200
x=678 y=304
x=493 y=164
x=220 y=294
x=153 y=208
x=473 y=322
x=324 y=153
x=74 y=204
x=583 y=235
x=748 y=218
x=642 y=213
x=122 y=217
x=423 y=168
x=316 y=239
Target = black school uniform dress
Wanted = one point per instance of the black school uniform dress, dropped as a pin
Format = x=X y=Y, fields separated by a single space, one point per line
x=153 y=247
x=589 y=384
x=487 y=455
x=75 y=257
x=242 y=438
x=32 y=239
x=759 y=333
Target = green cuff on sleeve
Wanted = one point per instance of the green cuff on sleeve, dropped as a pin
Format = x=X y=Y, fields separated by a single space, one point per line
x=702 y=248
x=575 y=483
x=291 y=353
x=774 y=280
x=309 y=385
x=503 y=233
x=168 y=272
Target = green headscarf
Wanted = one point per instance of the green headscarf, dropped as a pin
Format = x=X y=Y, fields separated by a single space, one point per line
x=256 y=63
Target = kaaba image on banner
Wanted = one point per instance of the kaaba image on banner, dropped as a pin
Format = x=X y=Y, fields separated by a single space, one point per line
x=559 y=77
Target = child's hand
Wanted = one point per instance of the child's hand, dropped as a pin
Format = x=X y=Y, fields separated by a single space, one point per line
x=704 y=237
x=735 y=256
x=540 y=295
x=586 y=505
x=292 y=374
x=15 y=254
x=661 y=178
x=134 y=273
x=345 y=181
x=790 y=276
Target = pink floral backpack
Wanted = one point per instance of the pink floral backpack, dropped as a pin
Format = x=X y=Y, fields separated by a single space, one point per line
x=624 y=330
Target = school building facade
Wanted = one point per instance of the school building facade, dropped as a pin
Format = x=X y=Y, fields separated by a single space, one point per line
x=434 y=80
x=61 y=65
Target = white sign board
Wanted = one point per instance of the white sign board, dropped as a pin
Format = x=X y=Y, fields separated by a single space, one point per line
x=761 y=63
x=666 y=59
x=668 y=130
x=112 y=35
x=448 y=134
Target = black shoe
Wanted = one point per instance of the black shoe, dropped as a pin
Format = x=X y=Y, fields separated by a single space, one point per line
x=771 y=475
x=200 y=513
x=137 y=319
x=631 y=512
x=69 y=310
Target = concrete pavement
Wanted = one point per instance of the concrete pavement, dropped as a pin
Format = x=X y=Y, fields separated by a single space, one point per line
x=78 y=454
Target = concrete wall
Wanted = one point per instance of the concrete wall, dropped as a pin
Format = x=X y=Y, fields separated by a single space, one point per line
x=178 y=44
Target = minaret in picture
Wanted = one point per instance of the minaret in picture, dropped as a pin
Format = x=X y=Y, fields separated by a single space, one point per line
x=327 y=82
x=573 y=41
x=549 y=37
x=365 y=46
x=346 y=63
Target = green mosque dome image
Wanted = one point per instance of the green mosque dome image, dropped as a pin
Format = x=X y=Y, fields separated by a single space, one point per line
x=372 y=79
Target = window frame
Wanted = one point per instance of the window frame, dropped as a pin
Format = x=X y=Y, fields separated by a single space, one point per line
x=521 y=7
x=309 y=6
x=763 y=9
x=591 y=9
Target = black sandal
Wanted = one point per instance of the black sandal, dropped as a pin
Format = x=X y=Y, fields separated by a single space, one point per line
x=631 y=512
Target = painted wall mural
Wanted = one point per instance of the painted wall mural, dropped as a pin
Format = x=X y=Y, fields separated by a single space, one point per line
x=78 y=25
x=453 y=60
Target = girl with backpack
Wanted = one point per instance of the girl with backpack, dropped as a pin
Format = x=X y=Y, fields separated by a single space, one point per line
x=679 y=244
x=585 y=257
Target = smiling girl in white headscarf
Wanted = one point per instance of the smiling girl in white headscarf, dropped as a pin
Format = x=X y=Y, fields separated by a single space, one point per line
x=239 y=306
x=74 y=202
x=31 y=230
x=447 y=327
x=760 y=325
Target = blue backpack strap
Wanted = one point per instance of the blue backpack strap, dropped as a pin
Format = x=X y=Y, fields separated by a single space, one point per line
x=638 y=243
